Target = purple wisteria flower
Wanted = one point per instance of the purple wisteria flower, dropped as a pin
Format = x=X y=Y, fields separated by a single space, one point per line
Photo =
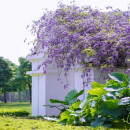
x=71 y=33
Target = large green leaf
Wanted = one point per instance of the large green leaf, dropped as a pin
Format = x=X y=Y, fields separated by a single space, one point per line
x=111 y=108
x=65 y=115
x=97 y=122
x=78 y=94
x=110 y=95
x=70 y=96
x=97 y=85
x=110 y=104
x=125 y=81
x=51 y=106
x=124 y=101
x=75 y=105
x=93 y=111
x=113 y=88
x=97 y=91
x=58 y=101
x=63 y=122
x=111 y=112
x=66 y=118
x=117 y=76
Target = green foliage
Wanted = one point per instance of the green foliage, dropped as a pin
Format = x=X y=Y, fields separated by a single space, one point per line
x=5 y=75
x=11 y=123
x=70 y=98
x=22 y=80
x=106 y=105
x=13 y=112
x=89 y=51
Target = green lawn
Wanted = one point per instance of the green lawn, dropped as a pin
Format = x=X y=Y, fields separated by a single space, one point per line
x=17 y=123
x=16 y=105
x=10 y=123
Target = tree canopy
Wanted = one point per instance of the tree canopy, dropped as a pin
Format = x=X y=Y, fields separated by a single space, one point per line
x=5 y=77
x=22 y=81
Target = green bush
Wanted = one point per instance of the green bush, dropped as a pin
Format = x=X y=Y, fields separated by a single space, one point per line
x=106 y=105
x=13 y=112
x=70 y=98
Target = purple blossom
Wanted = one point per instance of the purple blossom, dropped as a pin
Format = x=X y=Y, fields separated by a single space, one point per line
x=69 y=30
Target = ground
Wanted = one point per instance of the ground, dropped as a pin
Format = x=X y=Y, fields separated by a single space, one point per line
x=9 y=123
x=16 y=105
x=31 y=123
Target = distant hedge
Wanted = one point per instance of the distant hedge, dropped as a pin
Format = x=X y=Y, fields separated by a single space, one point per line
x=13 y=112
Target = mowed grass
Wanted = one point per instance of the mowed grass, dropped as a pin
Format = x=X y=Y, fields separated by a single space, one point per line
x=16 y=105
x=9 y=123
x=26 y=123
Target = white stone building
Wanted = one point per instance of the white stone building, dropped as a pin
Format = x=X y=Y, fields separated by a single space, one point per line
x=46 y=86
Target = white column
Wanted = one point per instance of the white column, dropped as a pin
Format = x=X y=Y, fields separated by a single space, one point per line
x=42 y=95
x=35 y=95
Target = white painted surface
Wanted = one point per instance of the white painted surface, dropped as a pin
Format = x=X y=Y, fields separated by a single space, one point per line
x=89 y=86
x=79 y=82
x=42 y=95
x=46 y=86
x=34 y=95
x=56 y=90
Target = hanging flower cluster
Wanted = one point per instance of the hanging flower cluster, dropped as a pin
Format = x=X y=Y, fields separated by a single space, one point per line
x=84 y=36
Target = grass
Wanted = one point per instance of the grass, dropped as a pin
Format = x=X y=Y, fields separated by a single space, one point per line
x=14 y=123
x=16 y=105
x=31 y=123
x=8 y=123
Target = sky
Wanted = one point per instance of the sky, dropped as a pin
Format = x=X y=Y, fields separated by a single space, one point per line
x=15 y=15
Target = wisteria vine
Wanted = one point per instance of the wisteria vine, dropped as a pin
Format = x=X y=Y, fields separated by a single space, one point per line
x=85 y=36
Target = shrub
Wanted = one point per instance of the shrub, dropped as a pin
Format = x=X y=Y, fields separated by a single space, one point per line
x=70 y=98
x=13 y=112
x=106 y=105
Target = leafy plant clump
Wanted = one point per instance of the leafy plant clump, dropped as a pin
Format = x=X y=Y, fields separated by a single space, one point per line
x=70 y=98
x=84 y=36
x=106 y=105
x=13 y=112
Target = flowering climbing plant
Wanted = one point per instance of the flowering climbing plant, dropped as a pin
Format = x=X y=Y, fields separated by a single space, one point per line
x=73 y=34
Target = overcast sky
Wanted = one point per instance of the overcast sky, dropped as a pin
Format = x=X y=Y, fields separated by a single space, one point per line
x=15 y=15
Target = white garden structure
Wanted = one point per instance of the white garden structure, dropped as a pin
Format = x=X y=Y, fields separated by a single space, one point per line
x=46 y=86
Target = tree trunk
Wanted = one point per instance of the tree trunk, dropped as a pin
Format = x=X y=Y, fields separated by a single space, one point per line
x=30 y=92
x=5 y=97
x=19 y=96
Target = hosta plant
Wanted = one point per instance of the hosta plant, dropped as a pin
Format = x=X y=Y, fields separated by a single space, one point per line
x=106 y=105
x=70 y=98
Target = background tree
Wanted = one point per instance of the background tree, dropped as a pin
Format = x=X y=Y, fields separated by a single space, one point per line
x=5 y=77
x=23 y=81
